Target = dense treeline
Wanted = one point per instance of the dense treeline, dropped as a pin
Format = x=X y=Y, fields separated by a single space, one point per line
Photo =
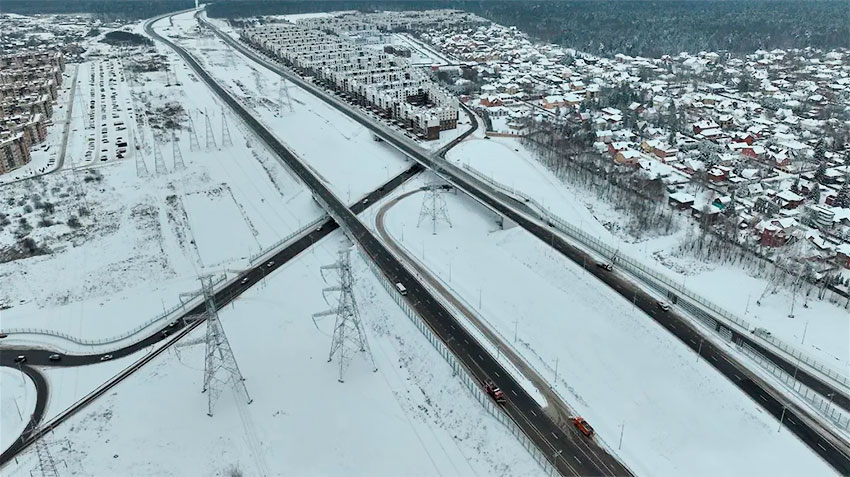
x=648 y=28
x=107 y=9
x=634 y=27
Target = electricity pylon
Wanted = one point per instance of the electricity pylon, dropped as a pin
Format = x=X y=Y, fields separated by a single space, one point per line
x=176 y=155
x=209 y=132
x=348 y=334
x=434 y=206
x=283 y=97
x=158 y=161
x=220 y=368
x=193 y=137
x=225 y=131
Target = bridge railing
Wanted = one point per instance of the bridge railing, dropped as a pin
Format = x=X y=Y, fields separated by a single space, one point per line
x=182 y=306
x=660 y=282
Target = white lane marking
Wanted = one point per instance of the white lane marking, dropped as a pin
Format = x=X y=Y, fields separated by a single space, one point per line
x=736 y=376
x=514 y=392
x=533 y=413
x=554 y=435
x=577 y=460
x=822 y=447
x=763 y=398
x=791 y=420
x=672 y=326
x=496 y=373
x=714 y=357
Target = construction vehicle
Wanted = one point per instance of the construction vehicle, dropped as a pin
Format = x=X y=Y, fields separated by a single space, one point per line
x=494 y=392
x=582 y=426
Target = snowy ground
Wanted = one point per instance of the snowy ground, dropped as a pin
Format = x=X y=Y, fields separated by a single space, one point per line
x=341 y=151
x=143 y=238
x=826 y=325
x=410 y=418
x=618 y=368
x=17 y=402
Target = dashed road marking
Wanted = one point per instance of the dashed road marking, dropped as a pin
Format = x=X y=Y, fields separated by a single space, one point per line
x=822 y=447
x=577 y=460
x=763 y=398
x=514 y=392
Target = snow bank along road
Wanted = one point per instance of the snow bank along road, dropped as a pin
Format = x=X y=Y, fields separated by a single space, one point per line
x=559 y=447
x=182 y=326
x=508 y=207
x=825 y=442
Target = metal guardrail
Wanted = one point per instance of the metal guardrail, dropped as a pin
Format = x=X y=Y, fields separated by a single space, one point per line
x=659 y=282
x=823 y=406
x=165 y=314
x=112 y=339
x=460 y=370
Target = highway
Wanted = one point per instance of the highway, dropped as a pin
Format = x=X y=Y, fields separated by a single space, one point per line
x=564 y=454
x=507 y=206
x=182 y=324
x=830 y=445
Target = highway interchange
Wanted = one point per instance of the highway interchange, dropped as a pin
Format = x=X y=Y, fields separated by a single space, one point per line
x=570 y=453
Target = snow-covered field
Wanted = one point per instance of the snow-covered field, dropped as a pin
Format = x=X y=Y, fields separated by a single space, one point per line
x=17 y=402
x=616 y=367
x=826 y=326
x=136 y=239
x=410 y=418
x=342 y=152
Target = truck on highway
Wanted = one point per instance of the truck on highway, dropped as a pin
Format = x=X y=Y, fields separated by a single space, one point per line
x=582 y=426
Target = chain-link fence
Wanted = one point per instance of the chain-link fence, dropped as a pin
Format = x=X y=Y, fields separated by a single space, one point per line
x=698 y=306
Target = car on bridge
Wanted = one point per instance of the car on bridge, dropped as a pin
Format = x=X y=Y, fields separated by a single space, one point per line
x=605 y=266
x=54 y=357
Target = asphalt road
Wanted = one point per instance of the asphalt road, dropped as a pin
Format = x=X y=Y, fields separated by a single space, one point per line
x=484 y=193
x=567 y=457
x=191 y=318
x=824 y=442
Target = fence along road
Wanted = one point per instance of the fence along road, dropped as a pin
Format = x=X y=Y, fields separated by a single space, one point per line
x=551 y=440
x=832 y=447
x=811 y=375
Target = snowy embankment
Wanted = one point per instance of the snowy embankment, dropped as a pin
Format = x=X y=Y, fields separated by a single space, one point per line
x=412 y=417
x=17 y=403
x=615 y=366
x=820 y=329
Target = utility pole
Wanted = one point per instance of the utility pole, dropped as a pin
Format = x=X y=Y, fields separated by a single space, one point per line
x=220 y=366
x=348 y=334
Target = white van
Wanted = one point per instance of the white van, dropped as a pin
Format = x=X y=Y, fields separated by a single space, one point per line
x=400 y=288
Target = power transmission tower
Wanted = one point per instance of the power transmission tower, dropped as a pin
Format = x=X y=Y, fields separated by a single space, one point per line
x=46 y=462
x=209 y=132
x=158 y=161
x=141 y=167
x=434 y=206
x=220 y=368
x=283 y=97
x=225 y=131
x=193 y=137
x=348 y=330
x=176 y=155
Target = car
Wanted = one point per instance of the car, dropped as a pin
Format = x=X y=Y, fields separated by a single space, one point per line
x=486 y=137
x=245 y=280
x=604 y=265
x=270 y=264
x=3 y=335
x=54 y=357
x=583 y=426
x=664 y=305
x=106 y=357
x=494 y=392
x=366 y=200
x=21 y=359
